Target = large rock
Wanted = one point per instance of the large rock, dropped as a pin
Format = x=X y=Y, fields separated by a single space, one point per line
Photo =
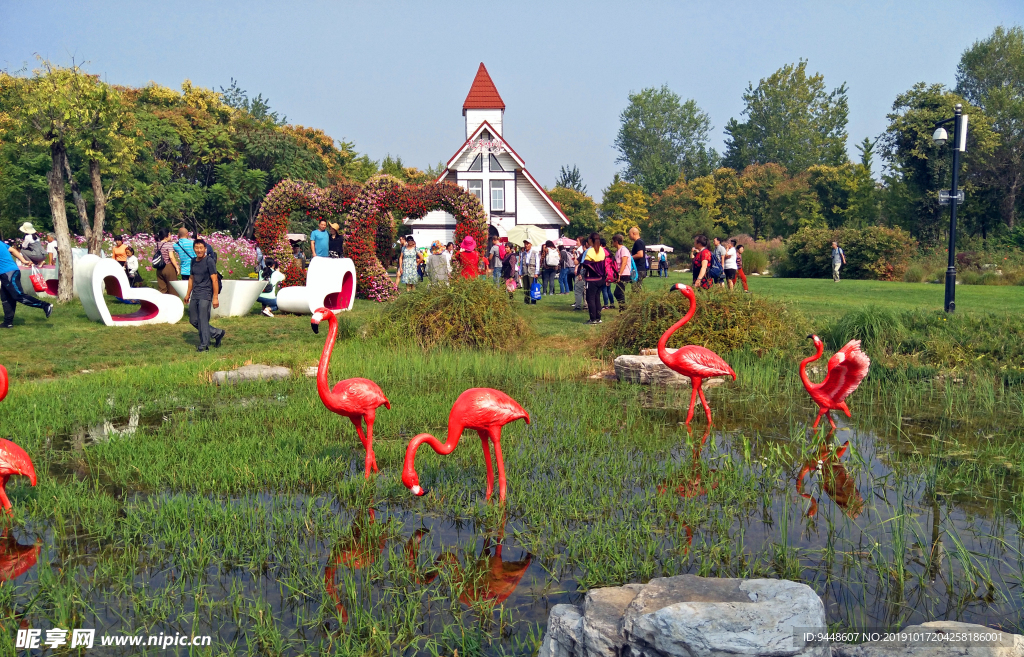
x=1009 y=645
x=650 y=370
x=252 y=373
x=688 y=616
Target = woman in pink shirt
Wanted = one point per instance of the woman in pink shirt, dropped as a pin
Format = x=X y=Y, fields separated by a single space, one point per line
x=623 y=268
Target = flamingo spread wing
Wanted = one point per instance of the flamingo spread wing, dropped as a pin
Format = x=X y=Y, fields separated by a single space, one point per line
x=846 y=369
x=699 y=361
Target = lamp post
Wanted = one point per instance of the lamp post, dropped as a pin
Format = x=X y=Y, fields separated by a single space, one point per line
x=959 y=122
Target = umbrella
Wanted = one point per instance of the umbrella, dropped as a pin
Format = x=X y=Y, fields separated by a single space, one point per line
x=527 y=232
x=659 y=247
x=565 y=241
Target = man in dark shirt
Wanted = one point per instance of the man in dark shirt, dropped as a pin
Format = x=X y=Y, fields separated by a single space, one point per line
x=203 y=286
x=639 y=253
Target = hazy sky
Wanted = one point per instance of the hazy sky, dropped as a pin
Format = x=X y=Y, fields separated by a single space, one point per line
x=391 y=76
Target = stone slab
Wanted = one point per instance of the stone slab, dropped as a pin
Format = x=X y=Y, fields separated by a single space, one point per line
x=252 y=373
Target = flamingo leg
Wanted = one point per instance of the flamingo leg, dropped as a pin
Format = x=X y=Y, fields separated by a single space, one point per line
x=704 y=402
x=487 y=462
x=694 y=385
x=371 y=458
x=357 y=421
x=6 y=503
x=828 y=414
x=496 y=439
x=821 y=412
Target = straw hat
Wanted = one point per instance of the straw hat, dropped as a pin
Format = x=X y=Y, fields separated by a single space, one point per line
x=468 y=244
x=27 y=228
x=335 y=226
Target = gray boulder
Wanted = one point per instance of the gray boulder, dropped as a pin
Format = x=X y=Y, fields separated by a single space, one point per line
x=688 y=616
x=252 y=373
x=649 y=369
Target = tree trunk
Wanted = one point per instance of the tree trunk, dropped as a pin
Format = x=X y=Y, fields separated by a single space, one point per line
x=55 y=177
x=83 y=213
x=99 y=207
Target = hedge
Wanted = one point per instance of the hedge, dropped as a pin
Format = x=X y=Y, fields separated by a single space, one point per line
x=873 y=253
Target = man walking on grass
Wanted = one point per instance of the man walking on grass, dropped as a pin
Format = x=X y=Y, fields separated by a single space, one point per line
x=838 y=260
x=202 y=297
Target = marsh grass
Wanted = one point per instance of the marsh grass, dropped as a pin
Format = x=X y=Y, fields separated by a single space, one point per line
x=222 y=513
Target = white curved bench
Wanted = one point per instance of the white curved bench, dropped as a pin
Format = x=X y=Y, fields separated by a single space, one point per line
x=236 y=298
x=330 y=283
x=95 y=275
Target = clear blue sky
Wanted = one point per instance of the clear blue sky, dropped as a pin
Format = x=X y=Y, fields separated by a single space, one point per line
x=391 y=76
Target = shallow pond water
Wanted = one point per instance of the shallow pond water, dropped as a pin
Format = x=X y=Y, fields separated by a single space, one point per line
x=885 y=544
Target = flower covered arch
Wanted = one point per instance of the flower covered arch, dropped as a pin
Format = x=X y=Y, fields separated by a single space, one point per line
x=370 y=228
x=290 y=196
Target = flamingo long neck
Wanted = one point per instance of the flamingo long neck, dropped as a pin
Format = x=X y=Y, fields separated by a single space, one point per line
x=663 y=342
x=803 y=366
x=322 y=386
x=3 y=382
x=445 y=448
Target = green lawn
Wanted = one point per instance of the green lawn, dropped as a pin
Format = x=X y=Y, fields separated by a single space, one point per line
x=29 y=350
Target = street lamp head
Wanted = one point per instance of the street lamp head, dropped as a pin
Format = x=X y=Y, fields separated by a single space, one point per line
x=958 y=107
x=940 y=136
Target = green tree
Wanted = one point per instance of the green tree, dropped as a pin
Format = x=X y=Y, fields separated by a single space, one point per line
x=579 y=208
x=790 y=119
x=661 y=137
x=623 y=205
x=991 y=76
x=571 y=179
x=922 y=168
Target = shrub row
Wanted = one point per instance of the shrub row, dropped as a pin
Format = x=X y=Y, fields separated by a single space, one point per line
x=875 y=252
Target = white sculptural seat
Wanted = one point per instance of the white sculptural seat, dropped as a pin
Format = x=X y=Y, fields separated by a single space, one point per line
x=236 y=298
x=330 y=283
x=95 y=275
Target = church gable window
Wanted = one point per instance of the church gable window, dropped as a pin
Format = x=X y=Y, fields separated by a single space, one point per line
x=477 y=164
x=492 y=163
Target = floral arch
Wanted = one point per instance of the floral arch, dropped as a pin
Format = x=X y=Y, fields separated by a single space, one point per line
x=370 y=226
x=290 y=196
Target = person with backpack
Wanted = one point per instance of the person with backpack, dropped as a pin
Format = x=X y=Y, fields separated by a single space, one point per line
x=11 y=293
x=640 y=259
x=662 y=264
x=549 y=268
x=203 y=296
x=702 y=263
x=596 y=276
x=565 y=273
x=32 y=247
x=717 y=263
x=185 y=249
x=838 y=260
x=165 y=262
x=623 y=268
x=273 y=275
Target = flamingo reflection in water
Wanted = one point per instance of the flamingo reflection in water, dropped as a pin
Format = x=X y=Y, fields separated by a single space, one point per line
x=836 y=481
x=488 y=578
x=355 y=552
x=692 y=484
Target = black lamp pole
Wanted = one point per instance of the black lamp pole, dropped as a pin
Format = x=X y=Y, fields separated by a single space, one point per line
x=951 y=268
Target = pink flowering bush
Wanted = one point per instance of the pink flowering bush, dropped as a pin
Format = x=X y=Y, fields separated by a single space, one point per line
x=232 y=252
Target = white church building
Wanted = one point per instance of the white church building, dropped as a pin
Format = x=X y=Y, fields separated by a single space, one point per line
x=488 y=167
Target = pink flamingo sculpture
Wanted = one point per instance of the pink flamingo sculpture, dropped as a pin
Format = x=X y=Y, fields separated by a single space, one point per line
x=846 y=369
x=13 y=459
x=484 y=409
x=356 y=399
x=695 y=362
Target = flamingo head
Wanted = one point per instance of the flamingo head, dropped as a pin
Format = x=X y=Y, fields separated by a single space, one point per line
x=684 y=288
x=412 y=482
x=17 y=461
x=318 y=317
x=818 y=344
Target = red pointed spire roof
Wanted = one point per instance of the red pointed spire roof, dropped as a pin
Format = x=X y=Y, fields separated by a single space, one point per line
x=483 y=94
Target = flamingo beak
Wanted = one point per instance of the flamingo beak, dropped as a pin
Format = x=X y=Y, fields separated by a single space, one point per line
x=315 y=322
